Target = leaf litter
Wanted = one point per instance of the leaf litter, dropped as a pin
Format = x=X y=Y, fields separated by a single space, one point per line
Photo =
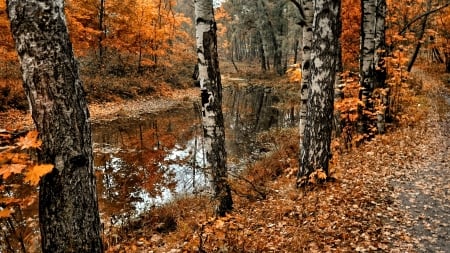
x=389 y=195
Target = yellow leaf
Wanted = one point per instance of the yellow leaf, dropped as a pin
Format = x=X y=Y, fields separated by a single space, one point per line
x=5 y=213
x=29 y=141
x=33 y=176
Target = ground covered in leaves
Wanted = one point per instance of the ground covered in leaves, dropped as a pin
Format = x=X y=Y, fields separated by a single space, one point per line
x=388 y=195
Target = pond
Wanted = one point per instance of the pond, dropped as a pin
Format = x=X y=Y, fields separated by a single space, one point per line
x=145 y=162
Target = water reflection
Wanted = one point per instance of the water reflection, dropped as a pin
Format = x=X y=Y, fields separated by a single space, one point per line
x=146 y=161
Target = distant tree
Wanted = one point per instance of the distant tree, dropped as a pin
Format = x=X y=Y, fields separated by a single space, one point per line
x=68 y=207
x=211 y=101
x=316 y=151
x=421 y=33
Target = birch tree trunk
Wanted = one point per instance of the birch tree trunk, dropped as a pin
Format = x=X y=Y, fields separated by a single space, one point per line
x=367 y=67
x=308 y=6
x=372 y=66
x=211 y=96
x=316 y=151
x=68 y=207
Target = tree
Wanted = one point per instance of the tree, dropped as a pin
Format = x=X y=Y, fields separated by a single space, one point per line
x=308 y=15
x=367 y=41
x=211 y=100
x=372 y=68
x=419 y=38
x=68 y=207
x=316 y=151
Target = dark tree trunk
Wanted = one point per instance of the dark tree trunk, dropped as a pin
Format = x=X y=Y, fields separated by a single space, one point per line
x=101 y=16
x=68 y=207
x=419 y=39
x=380 y=44
x=262 y=53
x=447 y=61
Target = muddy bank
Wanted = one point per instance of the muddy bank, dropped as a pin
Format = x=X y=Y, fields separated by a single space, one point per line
x=14 y=119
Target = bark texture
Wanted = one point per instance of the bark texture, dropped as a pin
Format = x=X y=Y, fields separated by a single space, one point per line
x=372 y=66
x=68 y=207
x=367 y=67
x=380 y=44
x=316 y=151
x=306 y=64
x=211 y=96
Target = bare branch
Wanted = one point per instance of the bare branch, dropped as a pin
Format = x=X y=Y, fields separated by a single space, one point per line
x=426 y=14
x=299 y=6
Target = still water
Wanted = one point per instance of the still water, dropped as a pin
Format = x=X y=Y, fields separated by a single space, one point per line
x=147 y=161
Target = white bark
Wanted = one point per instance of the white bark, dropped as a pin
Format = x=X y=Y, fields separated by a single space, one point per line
x=316 y=151
x=367 y=66
x=308 y=6
x=211 y=96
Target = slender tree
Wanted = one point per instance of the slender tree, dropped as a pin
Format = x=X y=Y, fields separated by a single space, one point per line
x=367 y=51
x=423 y=27
x=380 y=44
x=68 y=207
x=372 y=67
x=316 y=151
x=211 y=100
x=307 y=12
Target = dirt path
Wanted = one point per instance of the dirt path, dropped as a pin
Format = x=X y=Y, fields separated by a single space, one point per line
x=421 y=185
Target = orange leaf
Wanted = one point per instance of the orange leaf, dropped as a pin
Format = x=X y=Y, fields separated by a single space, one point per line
x=321 y=175
x=7 y=170
x=33 y=176
x=29 y=141
x=5 y=213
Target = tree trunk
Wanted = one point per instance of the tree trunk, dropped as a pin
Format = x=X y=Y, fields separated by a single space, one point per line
x=268 y=35
x=68 y=207
x=316 y=151
x=211 y=96
x=101 y=16
x=419 y=39
x=367 y=67
x=308 y=6
x=380 y=44
x=262 y=53
x=447 y=60
x=380 y=65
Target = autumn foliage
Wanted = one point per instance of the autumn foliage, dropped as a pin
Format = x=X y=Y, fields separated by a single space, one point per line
x=16 y=165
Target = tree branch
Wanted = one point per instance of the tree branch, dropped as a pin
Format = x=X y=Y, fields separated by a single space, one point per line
x=403 y=30
x=299 y=6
